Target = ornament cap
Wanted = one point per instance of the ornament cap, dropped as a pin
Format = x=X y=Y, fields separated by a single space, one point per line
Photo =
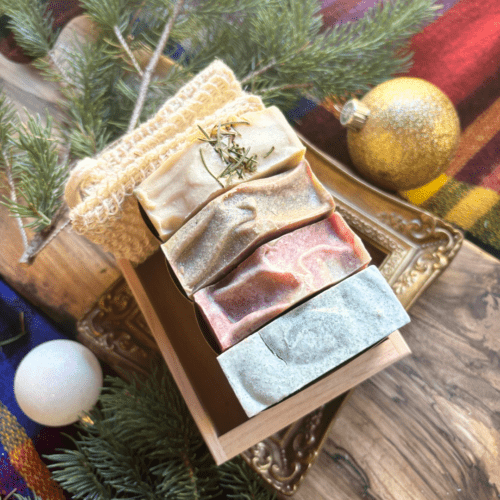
x=354 y=114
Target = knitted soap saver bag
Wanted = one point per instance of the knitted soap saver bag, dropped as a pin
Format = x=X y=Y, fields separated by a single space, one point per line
x=99 y=191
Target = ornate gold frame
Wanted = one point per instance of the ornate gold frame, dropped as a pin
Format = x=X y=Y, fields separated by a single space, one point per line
x=410 y=246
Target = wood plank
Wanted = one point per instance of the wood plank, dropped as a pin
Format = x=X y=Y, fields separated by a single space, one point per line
x=25 y=87
x=427 y=427
x=67 y=276
x=70 y=273
x=225 y=428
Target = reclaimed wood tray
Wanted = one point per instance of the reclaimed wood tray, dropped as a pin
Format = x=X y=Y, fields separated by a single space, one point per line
x=411 y=248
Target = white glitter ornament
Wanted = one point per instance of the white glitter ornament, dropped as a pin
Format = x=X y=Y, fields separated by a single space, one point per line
x=57 y=381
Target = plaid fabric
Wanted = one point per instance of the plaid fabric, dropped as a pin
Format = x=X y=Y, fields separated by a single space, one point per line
x=23 y=468
x=460 y=53
x=21 y=439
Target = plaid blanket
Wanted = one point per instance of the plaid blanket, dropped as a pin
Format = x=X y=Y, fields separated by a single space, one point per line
x=22 y=440
x=460 y=54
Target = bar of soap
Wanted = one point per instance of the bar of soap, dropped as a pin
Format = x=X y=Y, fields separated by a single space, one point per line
x=312 y=339
x=278 y=275
x=187 y=181
x=230 y=227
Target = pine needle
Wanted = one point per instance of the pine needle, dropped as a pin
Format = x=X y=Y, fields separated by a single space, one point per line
x=143 y=444
x=31 y=25
x=278 y=50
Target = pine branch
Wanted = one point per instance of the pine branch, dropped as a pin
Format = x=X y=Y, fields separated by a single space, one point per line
x=90 y=104
x=349 y=58
x=13 y=198
x=8 y=121
x=243 y=482
x=144 y=444
x=27 y=153
x=44 y=237
x=63 y=74
x=152 y=64
x=80 y=476
x=258 y=72
x=38 y=176
x=109 y=16
x=31 y=25
x=108 y=13
x=129 y=52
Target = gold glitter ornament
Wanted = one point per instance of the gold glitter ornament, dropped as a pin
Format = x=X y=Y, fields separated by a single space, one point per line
x=402 y=134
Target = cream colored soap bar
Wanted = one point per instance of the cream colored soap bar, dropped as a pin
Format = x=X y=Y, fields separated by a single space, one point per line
x=230 y=227
x=191 y=178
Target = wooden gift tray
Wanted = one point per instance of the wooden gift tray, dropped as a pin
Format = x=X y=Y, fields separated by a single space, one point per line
x=411 y=248
x=222 y=422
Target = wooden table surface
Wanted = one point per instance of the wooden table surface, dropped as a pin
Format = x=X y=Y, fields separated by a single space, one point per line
x=426 y=428
x=71 y=272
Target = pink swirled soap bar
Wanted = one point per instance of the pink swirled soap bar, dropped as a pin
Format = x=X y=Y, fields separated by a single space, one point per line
x=278 y=275
x=230 y=228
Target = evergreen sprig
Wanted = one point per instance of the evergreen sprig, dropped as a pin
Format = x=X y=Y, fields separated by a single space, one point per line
x=39 y=176
x=9 y=121
x=91 y=106
x=107 y=13
x=31 y=24
x=278 y=49
x=241 y=483
x=30 y=158
x=143 y=443
x=292 y=56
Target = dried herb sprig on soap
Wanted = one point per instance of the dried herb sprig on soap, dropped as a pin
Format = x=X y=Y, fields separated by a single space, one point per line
x=279 y=50
x=237 y=159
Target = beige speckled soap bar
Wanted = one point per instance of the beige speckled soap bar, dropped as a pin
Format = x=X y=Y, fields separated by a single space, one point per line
x=230 y=227
x=191 y=178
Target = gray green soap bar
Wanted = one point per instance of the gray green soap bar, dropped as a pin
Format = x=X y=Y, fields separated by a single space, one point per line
x=312 y=339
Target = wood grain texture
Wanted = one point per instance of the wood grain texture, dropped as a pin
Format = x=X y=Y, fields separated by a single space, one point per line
x=427 y=427
x=67 y=276
x=70 y=273
x=221 y=420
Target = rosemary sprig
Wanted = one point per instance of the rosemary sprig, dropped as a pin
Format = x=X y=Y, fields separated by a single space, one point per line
x=204 y=133
x=269 y=152
x=237 y=159
x=208 y=170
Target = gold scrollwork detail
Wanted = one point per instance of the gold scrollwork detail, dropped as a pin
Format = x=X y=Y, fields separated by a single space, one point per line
x=369 y=231
x=282 y=459
x=116 y=331
x=439 y=243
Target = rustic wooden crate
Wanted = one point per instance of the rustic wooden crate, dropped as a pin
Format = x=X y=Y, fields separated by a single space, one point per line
x=222 y=422
x=173 y=321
